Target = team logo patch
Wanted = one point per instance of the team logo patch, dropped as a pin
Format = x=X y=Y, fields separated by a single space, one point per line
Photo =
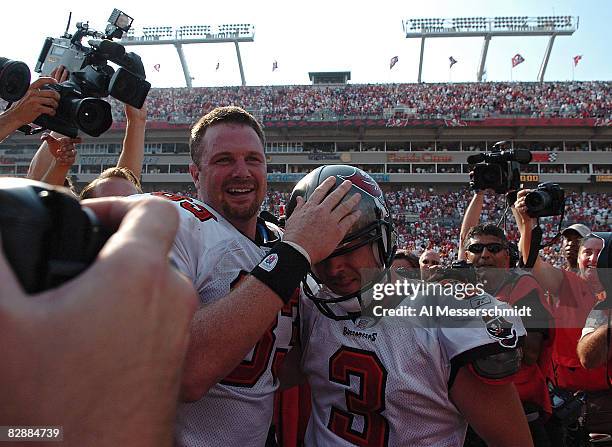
x=269 y=262
x=501 y=330
x=480 y=301
x=364 y=182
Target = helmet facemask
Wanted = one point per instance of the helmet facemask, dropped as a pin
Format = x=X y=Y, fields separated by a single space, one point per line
x=379 y=236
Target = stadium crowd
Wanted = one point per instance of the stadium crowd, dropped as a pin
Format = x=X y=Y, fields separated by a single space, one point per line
x=447 y=100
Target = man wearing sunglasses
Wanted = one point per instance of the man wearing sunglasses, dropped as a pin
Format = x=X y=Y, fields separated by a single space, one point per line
x=486 y=247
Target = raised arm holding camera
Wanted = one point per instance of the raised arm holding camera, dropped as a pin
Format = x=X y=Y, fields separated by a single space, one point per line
x=574 y=296
x=35 y=102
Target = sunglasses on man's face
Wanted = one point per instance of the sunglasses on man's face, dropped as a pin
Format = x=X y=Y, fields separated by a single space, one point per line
x=432 y=262
x=494 y=247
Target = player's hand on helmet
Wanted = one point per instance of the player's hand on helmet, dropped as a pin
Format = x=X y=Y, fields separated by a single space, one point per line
x=320 y=224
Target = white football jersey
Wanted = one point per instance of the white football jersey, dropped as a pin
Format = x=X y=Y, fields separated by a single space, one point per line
x=215 y=256
x=385 y=382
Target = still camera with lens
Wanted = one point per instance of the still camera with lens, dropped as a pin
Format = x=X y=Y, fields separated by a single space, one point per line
x=548 y=199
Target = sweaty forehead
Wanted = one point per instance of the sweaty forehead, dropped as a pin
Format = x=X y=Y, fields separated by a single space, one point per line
x=233 y=138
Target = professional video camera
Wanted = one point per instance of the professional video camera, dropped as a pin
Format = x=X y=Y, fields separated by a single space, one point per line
x=14 y=79
x=91 y=77
x=501 y=168
x=548 y=199
x=46 y=236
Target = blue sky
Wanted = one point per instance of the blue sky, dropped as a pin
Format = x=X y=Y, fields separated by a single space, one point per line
x=317 y=35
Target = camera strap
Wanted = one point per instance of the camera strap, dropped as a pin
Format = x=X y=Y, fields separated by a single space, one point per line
x=30 y=130
x=534 y=246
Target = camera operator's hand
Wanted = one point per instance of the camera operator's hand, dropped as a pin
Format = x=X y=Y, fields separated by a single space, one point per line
x=521 y=207
x=35 y=103
x=63 y=149
x=134 y=115
x=102 y=355
x=51 y=165
x=60 y=74
x=132 y=154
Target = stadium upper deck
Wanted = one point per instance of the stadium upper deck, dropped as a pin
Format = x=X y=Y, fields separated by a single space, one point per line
x=423 y=101
x=402 y=133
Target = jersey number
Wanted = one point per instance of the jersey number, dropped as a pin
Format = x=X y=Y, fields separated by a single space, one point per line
x=368 y=403
x=187 y=203
x=248 y=372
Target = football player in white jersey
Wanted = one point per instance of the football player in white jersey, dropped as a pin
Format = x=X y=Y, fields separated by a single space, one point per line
x=220 y=240
x=379 y=381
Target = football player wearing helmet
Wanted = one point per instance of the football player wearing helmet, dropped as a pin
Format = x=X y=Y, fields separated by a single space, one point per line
x=379 y=381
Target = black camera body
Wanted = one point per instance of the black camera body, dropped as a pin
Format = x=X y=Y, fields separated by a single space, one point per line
x=92 y=78
x=14 y=79
x=499 y=171
x=461 y=271
x=548 y=199
x=47 y=237
x=92 y=115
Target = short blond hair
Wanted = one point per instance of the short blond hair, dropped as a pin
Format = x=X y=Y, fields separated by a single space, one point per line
x=119 y=172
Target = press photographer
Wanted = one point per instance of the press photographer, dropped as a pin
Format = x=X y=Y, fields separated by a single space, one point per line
x=494 y=258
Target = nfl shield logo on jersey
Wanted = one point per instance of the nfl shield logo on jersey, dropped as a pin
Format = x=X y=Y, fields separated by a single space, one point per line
x=269 y=262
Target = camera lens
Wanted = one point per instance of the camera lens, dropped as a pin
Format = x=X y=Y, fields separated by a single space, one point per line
x=93 y=116
x=14 y=79
x=537 y=201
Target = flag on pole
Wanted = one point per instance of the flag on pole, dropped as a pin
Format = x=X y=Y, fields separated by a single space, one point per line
x=453 y=61
x=393 y=61
x=217 y=68
x=577 y=59
x=517 y=59
x=274 y=65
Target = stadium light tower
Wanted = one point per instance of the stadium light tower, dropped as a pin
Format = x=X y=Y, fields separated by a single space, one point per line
x=488 y=27
x=189 y=34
